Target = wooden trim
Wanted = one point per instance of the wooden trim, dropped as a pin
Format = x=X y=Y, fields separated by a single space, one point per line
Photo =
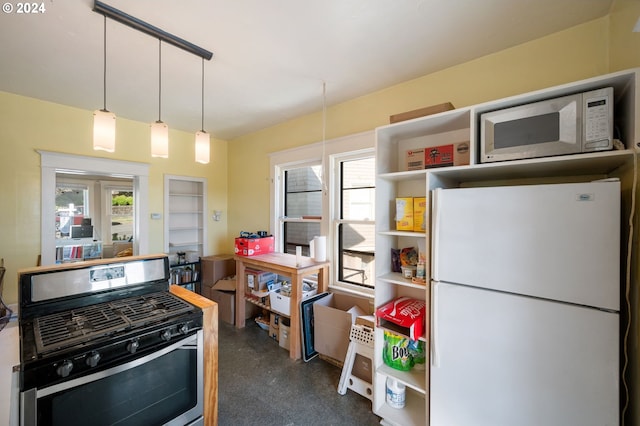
x=210 y=330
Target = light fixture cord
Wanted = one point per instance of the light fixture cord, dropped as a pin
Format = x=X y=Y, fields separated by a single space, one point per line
x=324 y=131
x=202 y=92
x=104 y=65
x=159 y=79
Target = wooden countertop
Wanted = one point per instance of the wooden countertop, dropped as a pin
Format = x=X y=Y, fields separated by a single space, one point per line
x=283 y=262
x=210 y=331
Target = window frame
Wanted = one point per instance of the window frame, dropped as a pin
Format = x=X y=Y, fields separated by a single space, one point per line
x=336 y=212
x=280 y=202
x=322 y=153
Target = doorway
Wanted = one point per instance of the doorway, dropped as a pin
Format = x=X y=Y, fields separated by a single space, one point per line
x=54 y=164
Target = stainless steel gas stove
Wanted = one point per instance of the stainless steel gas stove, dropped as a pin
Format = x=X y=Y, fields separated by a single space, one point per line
x=106 y=343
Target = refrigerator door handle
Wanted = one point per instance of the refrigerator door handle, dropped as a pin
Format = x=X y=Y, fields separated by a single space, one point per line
x=435 y=233
x=435 y=355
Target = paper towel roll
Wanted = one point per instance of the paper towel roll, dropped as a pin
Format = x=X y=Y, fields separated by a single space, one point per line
x=319 y=249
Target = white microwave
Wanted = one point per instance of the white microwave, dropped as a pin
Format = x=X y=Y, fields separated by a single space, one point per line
x=567 y=125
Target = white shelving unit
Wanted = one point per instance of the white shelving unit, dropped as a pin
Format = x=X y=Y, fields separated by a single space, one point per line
x=185 y=213
x=392 y=180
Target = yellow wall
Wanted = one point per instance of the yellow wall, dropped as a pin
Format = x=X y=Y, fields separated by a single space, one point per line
x=570 y=55
x=624 y=45
x=27 y=125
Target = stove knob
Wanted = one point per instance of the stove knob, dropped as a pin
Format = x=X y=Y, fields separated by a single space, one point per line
x=65 y=368
x=184 y=328
x=133 y=346
x=165 y=335
x=92 y=359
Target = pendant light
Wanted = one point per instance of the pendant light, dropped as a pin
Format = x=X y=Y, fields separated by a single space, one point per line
x=104 y=122
x=159 y=130
x=203 y=140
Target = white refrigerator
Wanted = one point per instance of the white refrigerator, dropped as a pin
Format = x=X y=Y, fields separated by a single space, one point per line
x=525 y=305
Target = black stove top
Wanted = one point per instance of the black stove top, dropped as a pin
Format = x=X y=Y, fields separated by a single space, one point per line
x=78 y=320
x=65 y=329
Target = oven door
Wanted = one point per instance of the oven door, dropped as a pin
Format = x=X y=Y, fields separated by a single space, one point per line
x=162 y=388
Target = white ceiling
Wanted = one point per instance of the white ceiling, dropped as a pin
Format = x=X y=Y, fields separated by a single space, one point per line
x=270 y=56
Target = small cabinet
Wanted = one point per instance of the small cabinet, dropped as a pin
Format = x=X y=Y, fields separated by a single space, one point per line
x=185 y=211
x=187 y=275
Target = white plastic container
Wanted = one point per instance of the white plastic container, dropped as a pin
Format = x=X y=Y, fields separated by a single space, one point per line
x=395 y=393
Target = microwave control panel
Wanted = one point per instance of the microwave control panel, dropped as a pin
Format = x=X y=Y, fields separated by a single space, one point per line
x=598 y=118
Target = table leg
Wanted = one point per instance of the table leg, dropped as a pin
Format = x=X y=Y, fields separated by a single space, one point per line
x=240 y=304
x=323 y=279
x=294 y=315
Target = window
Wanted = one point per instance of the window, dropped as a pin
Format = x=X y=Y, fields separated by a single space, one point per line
x=302 y=207
x=119 y=218
x=72 y=205
x=328 y=189
x=355 y=220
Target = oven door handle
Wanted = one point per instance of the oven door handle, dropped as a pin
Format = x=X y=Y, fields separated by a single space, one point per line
x=193 y=342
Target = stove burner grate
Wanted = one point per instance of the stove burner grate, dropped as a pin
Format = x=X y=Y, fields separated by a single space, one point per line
x=64 y=329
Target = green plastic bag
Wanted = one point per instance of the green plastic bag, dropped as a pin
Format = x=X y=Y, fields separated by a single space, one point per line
x=396 y=352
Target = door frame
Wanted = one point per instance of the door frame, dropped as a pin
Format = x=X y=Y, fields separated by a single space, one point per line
x=52 y=163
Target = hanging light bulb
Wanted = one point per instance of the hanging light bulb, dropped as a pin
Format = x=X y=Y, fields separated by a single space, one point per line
x=104 y=122
x=203 y=140
x=159 y=130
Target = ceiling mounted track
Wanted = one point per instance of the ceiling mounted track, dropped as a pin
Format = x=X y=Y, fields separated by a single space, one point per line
x=135 y=23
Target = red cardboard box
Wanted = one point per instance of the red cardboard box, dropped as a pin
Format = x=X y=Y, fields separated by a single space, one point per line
x=254 y=246
x=438 y=156
x=403 y=315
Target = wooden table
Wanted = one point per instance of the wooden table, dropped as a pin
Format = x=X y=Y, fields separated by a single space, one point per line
x=282 y=264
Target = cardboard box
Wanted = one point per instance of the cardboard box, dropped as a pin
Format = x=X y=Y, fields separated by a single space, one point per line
x=455 y=154
x=403 y=315
x=404 y=214
x=224 y=294
x=226 y=301
x=419 y=214
x=254 y=246
x=415 y=159
x=284 y=336
x=274 y=333
x=274 y=320
x=226 y=284
x=421 y=112
x=258 y=280
x=282 y=304
x=333 y=316
x=217 y=267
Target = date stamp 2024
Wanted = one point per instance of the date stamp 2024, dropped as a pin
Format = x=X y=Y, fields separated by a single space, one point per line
x=20 y=8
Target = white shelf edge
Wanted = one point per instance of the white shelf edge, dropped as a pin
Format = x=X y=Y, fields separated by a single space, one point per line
x=187 y=212
x=184 y=244
x=397 y=279
x=403 y=234
x=404 y=175
x=415 y=379
x=184 y=194
x=186 y=228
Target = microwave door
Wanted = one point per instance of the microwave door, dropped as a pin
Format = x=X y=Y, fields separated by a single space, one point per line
x=540 y=129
